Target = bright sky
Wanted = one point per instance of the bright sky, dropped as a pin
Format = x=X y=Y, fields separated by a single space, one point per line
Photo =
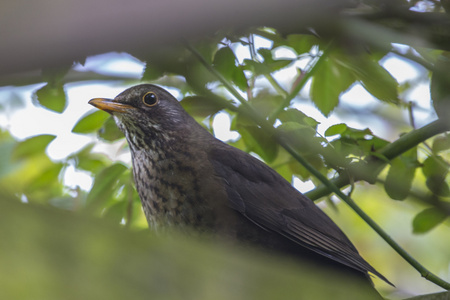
x=31 y=120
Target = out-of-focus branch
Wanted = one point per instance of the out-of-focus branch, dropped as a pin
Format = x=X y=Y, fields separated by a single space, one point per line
x=43 y=33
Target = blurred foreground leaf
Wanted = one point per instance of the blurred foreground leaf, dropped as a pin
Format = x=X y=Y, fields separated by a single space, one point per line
x=49 y=254
x=32 y=146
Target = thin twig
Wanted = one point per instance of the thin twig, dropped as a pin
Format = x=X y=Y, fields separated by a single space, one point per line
x=269 y=77
x=305 y=77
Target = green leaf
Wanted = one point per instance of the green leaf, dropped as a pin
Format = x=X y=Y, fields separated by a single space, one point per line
x=354 y=143
x=255 y=67
x=110 y=132
x=162 y=61
x=200 y=106
x=266 y=54
x=284 y=171
x=52 y=97
x=330 y=80
x=311 y=122
x=438 y=186
x=302 y=136
x=294 y=115
x=208 y=47
x=441 y=143
x=292 y=126
x=268 y=66
x=225 y=62
x=265 y=103
x=46 y=178
x=259 y=142
x=299 y=170
x=117 y=211
x=279 y=64
x=102 y=188
x=239 y=79
x=32 y=146
x=90 y=164
x=356 y=134
x=86 y=160
x=440 y=86
x=375 y=79
x=301 y=43
x=427 y=220
x=151 y=72
x=90 y=122
x=399 y=179
x=336 y=129
x=436 y=170
x=197 y=75
x=435 y=166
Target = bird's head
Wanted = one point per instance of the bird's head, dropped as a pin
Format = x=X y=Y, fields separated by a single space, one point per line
x=146 y=112
x=143 y=104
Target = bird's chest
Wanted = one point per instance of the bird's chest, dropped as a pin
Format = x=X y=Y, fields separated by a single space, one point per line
x=171 y=191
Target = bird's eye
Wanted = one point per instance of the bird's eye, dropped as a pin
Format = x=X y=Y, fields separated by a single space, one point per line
x=150 y=99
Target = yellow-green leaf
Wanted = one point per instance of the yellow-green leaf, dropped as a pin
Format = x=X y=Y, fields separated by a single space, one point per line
x=399 y=179
x=428 y=219
x=336 y=129
x=32 y=146
x=225 y=62
x=375 y=79
x=90 y=122
x=52 y=97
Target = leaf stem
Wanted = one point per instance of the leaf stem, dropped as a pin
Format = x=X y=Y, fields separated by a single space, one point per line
x=269 y=77
x=276 y=85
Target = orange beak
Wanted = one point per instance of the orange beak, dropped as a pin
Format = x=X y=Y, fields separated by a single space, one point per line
x=110 y=106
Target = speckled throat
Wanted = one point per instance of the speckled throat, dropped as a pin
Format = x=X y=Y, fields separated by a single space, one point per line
x=163 y=170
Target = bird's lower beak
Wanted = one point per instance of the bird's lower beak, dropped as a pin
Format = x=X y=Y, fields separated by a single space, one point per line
x=109 y=105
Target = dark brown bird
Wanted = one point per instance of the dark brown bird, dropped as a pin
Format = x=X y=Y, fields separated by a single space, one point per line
x=186 y=177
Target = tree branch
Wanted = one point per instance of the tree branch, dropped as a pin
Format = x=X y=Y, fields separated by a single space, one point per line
x=48 y=34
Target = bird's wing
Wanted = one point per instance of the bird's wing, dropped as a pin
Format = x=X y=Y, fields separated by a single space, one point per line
x=267 y=199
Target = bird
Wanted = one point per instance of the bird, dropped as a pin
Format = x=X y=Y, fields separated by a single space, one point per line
x=187 y=178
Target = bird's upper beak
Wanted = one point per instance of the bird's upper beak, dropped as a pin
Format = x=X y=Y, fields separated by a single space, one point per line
x=109 y=105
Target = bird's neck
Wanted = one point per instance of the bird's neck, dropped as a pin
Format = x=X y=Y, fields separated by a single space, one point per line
x=164 y=171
